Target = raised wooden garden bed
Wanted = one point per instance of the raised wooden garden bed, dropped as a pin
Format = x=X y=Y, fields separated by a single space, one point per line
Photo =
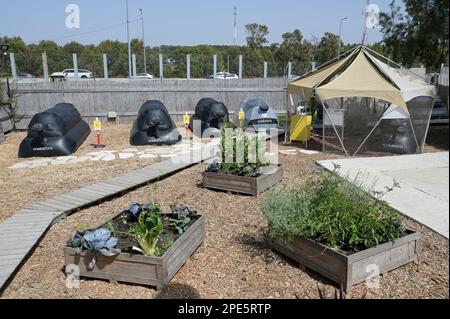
x=271 y=175
x=349 y=269
x=139 y=269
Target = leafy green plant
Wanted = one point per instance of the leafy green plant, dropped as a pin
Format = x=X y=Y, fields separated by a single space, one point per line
x=333 y=212
x=242 y=154
x=148 y=230
x=163 y=247
x=182 y=216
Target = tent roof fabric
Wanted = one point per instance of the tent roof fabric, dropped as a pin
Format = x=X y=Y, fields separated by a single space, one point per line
x=305 y=85
x=361 y=74
x=411 y=85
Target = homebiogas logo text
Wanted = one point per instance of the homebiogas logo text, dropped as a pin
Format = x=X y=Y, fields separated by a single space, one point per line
x=232 y=145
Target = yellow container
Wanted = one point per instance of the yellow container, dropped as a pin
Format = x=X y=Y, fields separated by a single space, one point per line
x=301 y=128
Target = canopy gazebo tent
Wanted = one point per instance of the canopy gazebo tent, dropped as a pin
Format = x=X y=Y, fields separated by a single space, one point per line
x=369 y=104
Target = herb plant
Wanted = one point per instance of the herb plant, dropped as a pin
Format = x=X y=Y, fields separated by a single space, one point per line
x=334 y=212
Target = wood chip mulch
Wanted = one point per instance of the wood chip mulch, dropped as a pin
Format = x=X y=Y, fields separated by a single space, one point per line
x=234 y=262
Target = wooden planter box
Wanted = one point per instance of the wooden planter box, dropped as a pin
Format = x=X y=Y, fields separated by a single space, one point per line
x=139 y=269
x=350 y=269
x=242 y=184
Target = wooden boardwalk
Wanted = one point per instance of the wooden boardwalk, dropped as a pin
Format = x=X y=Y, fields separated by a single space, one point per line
x=20 y=233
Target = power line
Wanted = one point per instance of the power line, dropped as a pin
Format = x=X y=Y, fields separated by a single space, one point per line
x=88 y=32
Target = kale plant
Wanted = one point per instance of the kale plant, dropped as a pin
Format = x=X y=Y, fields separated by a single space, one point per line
x=182 y=216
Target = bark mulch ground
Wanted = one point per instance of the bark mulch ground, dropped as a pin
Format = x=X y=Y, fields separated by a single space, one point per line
x=234 y=262
x=22 y=188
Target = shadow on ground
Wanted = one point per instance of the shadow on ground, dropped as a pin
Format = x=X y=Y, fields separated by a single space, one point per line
x=438 y=137
x=178 y=291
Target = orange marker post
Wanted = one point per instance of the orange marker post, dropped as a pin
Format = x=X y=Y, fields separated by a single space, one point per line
x=98 y=127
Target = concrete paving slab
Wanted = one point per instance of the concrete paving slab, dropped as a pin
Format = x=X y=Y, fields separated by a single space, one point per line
x=126 y=155
x=109 y=157
x=424 y=184
x=20 y=165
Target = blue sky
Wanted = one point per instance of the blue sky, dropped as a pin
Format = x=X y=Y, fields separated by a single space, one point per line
x=181 y=22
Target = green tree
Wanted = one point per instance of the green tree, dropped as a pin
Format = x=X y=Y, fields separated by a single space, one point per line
x=328 y=47
x=257 y=35
x=420 y=35
x=297 y=50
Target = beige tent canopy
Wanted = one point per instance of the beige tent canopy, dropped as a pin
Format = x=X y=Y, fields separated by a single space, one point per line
x=359 y=79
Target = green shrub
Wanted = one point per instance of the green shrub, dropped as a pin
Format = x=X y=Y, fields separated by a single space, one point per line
x=333 y=212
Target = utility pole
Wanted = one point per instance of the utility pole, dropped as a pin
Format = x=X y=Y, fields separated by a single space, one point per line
x=143 y=41
x=340 y=40
x=129 y=44
x=235 y=25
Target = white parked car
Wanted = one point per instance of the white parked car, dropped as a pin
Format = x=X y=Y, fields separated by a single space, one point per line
x=70 y=74
x=143 y=76
x=225 y=75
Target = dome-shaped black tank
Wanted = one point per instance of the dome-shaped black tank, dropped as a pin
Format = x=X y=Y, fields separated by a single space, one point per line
x=209 y=115
x=59 y=131
x=154 y=126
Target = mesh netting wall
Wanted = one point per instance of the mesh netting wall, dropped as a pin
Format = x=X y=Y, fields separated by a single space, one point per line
x=355 y=126
x=420 y=109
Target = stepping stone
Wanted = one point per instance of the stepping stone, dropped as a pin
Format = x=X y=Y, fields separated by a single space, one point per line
x=109 y=157
x=168 y=155
x=97 y=157
x=39 y=164
x=56 y=162
x=126 y=155
x=289 y=152
x=81 y=159
x=130 y=150
x=148 y=156
x=101 y=153
x=20 y=165
x=308 y=152
x=65 y=158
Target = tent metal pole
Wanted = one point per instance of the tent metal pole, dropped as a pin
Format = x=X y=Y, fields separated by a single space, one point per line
x=337 y=134
x=414 y=133
x=428 y=125
x=368 y=136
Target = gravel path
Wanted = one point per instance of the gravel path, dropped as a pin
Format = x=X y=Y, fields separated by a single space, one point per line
x=234 y=261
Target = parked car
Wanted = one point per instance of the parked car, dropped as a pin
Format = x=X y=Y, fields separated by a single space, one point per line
x=144 y=76
x=439 y=115
x=70 y=74
x=24 y=75
x=225 y=76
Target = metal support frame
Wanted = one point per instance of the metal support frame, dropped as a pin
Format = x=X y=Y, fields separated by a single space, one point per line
x=335 y=130
x=368 y=136
x=428 y=125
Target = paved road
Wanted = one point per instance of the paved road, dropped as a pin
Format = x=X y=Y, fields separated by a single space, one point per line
x=424 y=182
